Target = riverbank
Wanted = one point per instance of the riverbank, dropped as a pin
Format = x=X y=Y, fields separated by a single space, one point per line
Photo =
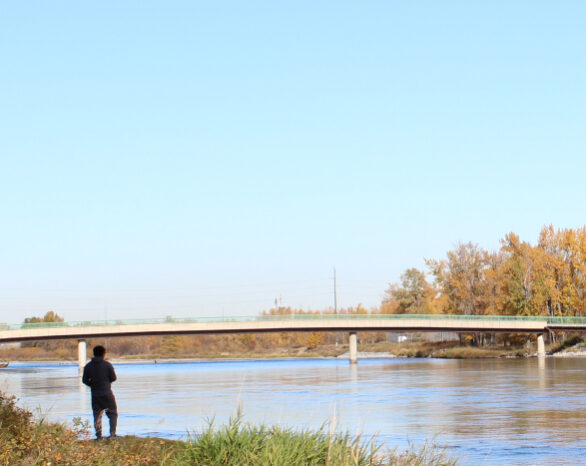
x=576 y=351
x=574 y=346
x=25 y=440
x=445 y=350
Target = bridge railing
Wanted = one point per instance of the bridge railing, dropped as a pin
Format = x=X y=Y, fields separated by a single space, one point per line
x=566 y=321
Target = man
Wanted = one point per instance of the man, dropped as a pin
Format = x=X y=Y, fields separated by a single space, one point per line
x=99 y=375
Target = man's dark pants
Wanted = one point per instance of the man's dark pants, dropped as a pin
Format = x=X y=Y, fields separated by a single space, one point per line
x=107 y=403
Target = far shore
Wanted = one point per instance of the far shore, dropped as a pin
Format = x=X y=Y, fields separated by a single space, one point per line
x=369 y=355
x=571 y=347
x=366 y=355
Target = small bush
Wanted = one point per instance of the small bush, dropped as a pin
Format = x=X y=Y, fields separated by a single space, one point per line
x=467 y=352
x=13 y=420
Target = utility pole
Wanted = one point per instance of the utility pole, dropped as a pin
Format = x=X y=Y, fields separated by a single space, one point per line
x=335 y=301
x=106 y=339
x=335 y=294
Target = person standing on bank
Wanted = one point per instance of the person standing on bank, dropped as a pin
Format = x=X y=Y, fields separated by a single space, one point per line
x=98 y=374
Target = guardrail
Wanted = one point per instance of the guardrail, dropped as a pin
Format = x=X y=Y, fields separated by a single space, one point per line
x=565 y=321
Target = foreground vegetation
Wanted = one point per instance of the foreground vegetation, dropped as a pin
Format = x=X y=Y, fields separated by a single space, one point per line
x=24 y=440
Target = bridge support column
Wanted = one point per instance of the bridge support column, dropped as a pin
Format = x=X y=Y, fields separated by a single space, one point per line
x=353 y=348
x=540 y=346
x=81 y=355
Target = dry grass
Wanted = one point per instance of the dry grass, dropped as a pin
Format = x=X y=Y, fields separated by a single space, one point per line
x=468 y=352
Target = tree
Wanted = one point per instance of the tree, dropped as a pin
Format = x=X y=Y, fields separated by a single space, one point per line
x=492 y=295
x=248 y=340
x=171 y=345
x=50 y=316
x=519 y=277
x=314 y=339
x=564 y=271
x=412 y=296
x=460 y=278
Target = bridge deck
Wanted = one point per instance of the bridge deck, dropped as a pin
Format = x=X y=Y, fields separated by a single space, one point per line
x=298 y=322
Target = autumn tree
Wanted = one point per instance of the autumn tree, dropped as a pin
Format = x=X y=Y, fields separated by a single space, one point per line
x=412 y=296
x=171 y=345
x=460 y=278
x=492 y=294
x=314 y=339
x=248 y=340
x=564 y=271
x=50 y=316
x=520 y=278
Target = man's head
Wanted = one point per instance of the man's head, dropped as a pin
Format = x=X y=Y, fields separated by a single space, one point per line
x=99 y=351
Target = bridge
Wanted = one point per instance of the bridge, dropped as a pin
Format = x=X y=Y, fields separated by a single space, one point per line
x=351 y=323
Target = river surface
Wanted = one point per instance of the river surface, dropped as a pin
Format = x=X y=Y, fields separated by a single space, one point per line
x=524 y=411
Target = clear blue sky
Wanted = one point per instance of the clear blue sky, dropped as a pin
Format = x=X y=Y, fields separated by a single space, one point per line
x=204 y=158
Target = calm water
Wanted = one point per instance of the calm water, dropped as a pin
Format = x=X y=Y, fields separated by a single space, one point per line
x=485 y=412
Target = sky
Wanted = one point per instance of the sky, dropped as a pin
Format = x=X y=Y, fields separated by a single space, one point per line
x=208 y=158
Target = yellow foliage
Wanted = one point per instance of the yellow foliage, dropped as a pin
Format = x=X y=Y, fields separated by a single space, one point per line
x=314 y=339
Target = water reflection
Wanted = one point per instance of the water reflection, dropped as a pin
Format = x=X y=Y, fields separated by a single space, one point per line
x=490 y=412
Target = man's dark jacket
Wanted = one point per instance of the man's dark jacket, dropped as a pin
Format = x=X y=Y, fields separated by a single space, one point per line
x=99 y=374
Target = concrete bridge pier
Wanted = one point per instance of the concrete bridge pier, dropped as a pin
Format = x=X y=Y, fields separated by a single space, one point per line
x=540 y=346
x=353 y=348
x=81 y=355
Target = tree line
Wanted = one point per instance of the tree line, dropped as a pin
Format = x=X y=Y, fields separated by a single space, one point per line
x=548 y=278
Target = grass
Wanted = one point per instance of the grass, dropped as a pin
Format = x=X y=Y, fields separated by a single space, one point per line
x=28 y=441
x=238 y=444
x=469 y=352
x=438 y=349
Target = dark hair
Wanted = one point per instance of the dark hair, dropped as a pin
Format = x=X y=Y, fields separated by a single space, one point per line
x=99 y=351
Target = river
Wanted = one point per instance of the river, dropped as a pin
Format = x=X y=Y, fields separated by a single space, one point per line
x=511 y=411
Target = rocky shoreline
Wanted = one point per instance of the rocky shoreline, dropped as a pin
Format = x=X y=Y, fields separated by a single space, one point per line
x=569 y=354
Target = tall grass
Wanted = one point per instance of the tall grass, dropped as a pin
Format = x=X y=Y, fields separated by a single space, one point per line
x=238 y=443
